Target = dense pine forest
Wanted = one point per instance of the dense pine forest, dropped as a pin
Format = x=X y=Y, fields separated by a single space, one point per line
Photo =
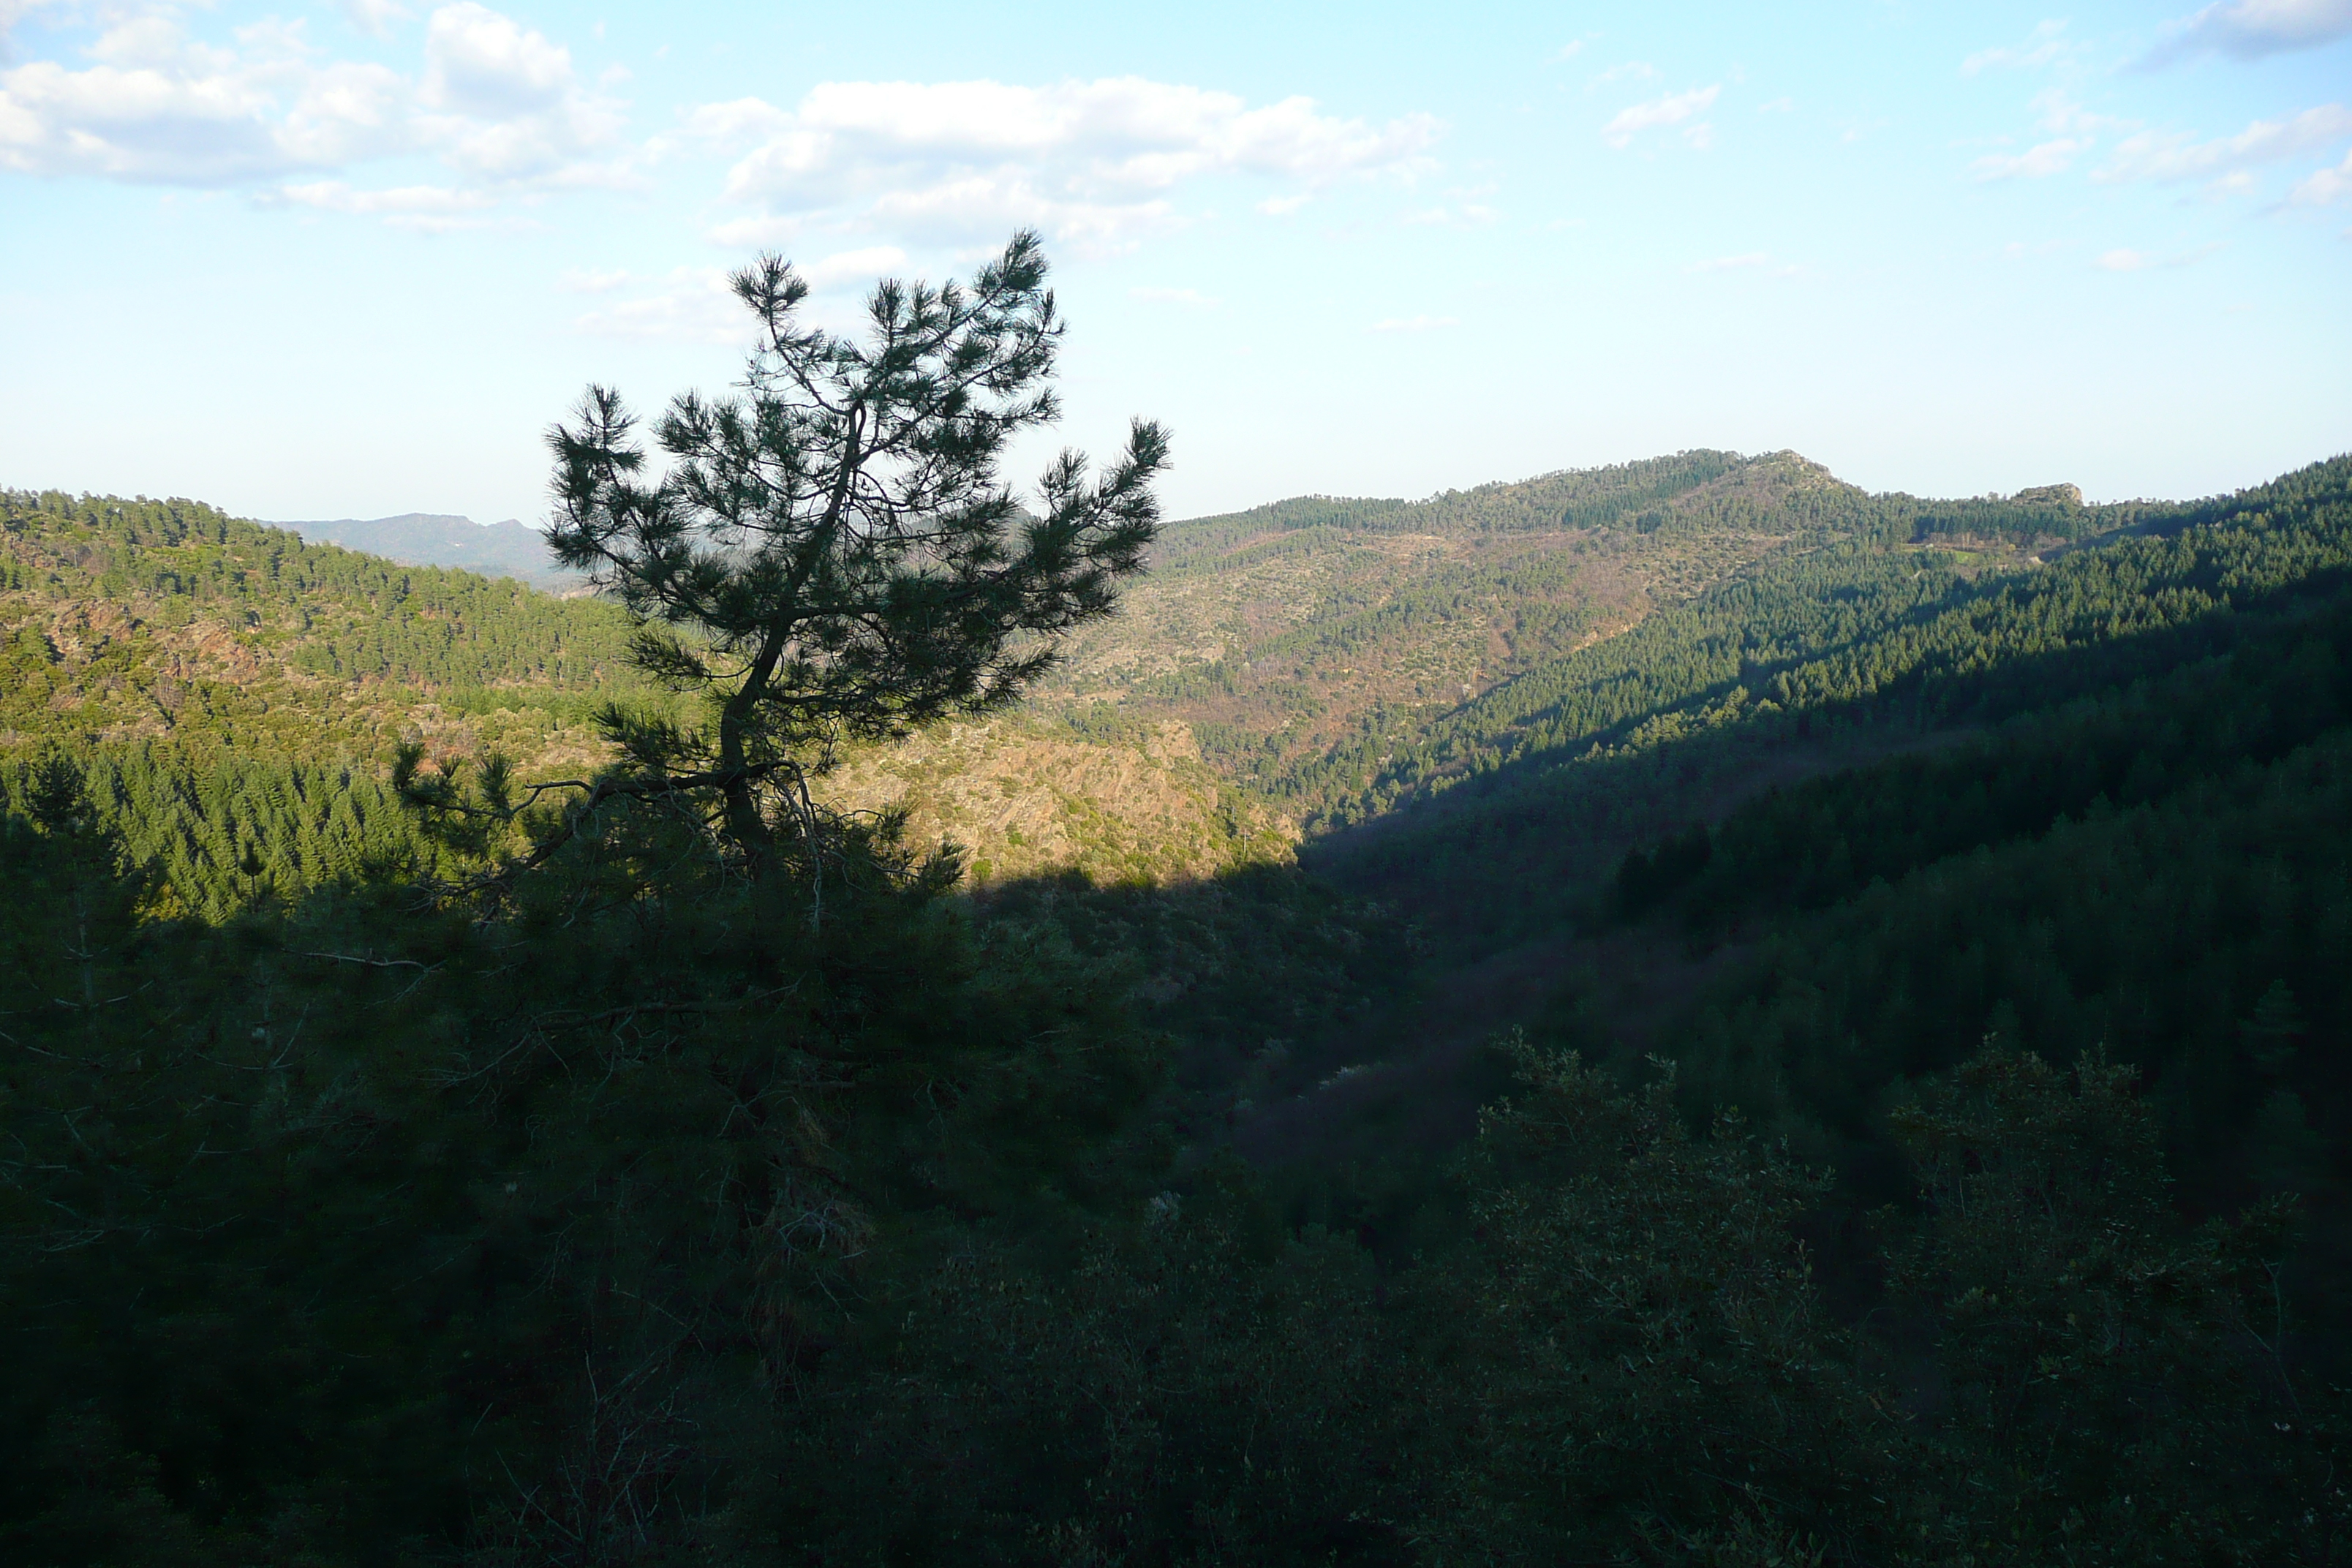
x=1803 y=1027
x=233 y=694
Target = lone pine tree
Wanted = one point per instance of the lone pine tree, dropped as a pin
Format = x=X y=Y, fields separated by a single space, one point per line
x=831 y=554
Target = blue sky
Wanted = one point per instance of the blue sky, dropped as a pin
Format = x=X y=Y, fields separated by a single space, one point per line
x=351 y=260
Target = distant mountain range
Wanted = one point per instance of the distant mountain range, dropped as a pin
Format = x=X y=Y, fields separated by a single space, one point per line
x=505 y=549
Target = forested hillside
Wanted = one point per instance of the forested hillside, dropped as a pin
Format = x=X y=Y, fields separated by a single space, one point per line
x=1858 y=643
x=1346 y=656
x=237 y=691
x=1834 y=826
x=2135 y=841
x=123 y=612
x=1323 y=660
x=1809 y=1028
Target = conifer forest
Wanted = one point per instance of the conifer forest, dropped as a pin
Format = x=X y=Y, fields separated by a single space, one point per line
x=1675 y=1013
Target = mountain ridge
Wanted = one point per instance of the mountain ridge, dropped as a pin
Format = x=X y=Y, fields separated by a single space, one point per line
x=1324 y=660
x=506 y=549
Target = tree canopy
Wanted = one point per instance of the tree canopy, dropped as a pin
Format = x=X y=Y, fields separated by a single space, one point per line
x=834 y=554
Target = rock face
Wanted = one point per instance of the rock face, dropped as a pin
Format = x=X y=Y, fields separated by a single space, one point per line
x=2051 y=495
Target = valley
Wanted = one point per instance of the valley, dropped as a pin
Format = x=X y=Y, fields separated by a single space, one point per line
x=1708 y=783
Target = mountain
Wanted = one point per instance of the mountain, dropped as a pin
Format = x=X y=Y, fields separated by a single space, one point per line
x=1320 y=647
x=1830 y=826
x=422 y=539
x=1300 y=668
x=1676 y=1013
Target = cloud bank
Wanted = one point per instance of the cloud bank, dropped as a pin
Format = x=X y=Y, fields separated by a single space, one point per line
x=495 y=100
x=2253 y=30
x=503 y=110
x=2175 y=158
x=1093 y=162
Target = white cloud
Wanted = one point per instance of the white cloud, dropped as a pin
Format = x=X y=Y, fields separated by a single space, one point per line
x=2046 y=44
x=586 y=281
x=432 y=209
x=1465 y=207
x=1282 y=207
x=693 y=304
x=2057 y=110
x=2054 y=157
x=1414 y=324
x=697 y=304
x=1568 y=51
x=373 y=18
x=988 y=204
x=766 y=233
x=156 y=107
x=480 y=64
x=1672 y=109
x=2250 y=29
x=2326 y=186
x=2174 y=158
x=2224 y=165
x=495 y=100
x=1191 y=297
x=502 y=100
x=1777 y=106
x=855 y=269
x=737 y=120
x=1093 y=162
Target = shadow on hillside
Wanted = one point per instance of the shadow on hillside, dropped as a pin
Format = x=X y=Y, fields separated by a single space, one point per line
x=1500 y=891
x=1519 y=851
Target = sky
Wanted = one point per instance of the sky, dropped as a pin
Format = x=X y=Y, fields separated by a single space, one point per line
x=352 y=260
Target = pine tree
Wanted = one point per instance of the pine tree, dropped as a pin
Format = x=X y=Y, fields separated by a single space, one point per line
x=835 y=554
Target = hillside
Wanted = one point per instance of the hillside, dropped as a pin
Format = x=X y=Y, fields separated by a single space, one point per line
x=1832 y=825
x=1333 y=653
x=1305 y=665
x=1831 y=1050
x=1825 y=655
x=138 y=619
x=209 y=667
x=1318 y=662
x=505 y=549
